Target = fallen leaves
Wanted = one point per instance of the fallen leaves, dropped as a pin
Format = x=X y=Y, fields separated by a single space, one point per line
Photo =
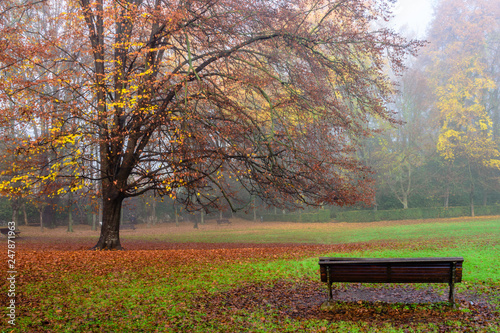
x=151 y=283
x=353 y=302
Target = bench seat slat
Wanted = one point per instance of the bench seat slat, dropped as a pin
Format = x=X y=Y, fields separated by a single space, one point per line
x=390 y=260
x=353 y=274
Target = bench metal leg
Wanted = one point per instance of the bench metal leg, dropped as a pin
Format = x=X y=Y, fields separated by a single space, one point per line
x=330 y=294
x=451 y=297
x=327 y=305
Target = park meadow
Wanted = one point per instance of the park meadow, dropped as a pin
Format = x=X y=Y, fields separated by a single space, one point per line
x=250 y=277
x=161 y=121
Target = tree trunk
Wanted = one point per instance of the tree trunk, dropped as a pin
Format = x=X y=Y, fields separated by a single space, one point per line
x=40 y=211
x=153 y=211
x=99 y=212
x=96 y=216
x=471 y=195
x=70 y=220
x=176 y=216
x=405 y=201
x=447 y=188
x=70 y=214
x=25 y=215
x=94 y=221
x=472 y=200
x=15 y=213
x=254 y=210
x=110 y=229
x=15 y=210
x=447 y=195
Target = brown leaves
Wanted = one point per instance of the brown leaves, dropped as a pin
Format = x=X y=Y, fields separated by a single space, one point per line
x=401 y=305
x=50 y=257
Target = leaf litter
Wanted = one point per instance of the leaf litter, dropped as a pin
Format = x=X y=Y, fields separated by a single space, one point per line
x=296 y=299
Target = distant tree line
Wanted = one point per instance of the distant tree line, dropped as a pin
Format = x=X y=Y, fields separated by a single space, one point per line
x=446 y=152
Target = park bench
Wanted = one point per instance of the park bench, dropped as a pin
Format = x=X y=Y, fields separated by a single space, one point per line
x=392 y=270
x=124 y=226
x=5 y=232
x=223 y=221
x=127 y=226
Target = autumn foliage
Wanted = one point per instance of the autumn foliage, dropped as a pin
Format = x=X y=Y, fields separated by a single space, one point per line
x=463 y=76
x=179 y=97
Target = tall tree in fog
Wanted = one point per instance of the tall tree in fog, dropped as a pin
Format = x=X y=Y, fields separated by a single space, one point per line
x=403 y=150
x=466 y=134
x=178 y=95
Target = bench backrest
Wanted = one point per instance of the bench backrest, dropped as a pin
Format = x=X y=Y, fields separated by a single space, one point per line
x=391 y=270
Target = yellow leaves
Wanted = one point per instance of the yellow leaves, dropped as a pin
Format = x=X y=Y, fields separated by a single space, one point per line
x=147 y=72
x=34 y=169
x=466 y=130
x=485 y=124
x=12 y=186
x=446 y=143
x=493 y=163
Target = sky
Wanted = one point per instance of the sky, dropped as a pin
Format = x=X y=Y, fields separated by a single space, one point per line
x=415 y=14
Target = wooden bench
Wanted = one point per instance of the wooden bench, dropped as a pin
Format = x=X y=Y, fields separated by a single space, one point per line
x=124 y=226
x=5 y=231
x=392 y=270
x=127 y=226
x=223 y=221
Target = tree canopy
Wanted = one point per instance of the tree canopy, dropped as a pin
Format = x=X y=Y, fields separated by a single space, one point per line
x=177 y=97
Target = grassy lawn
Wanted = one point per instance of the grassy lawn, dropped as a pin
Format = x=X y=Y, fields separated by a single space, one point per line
x=328 y=233
x=250 y=277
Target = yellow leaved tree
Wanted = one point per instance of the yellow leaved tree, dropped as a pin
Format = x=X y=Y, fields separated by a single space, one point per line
x=466 y=134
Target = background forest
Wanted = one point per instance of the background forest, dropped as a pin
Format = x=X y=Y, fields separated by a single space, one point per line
x=444 y=154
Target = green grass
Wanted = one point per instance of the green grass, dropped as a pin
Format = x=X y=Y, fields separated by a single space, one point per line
x=154 y=299
x=332 y=233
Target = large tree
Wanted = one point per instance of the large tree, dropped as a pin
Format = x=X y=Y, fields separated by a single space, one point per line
x=466 y=132
x=176 y=97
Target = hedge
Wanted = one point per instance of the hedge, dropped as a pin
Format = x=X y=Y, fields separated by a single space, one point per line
x=415 y=213
x=317 y=216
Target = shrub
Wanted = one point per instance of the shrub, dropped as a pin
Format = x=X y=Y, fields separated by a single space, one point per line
x=322 y=215
x=415 y=213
